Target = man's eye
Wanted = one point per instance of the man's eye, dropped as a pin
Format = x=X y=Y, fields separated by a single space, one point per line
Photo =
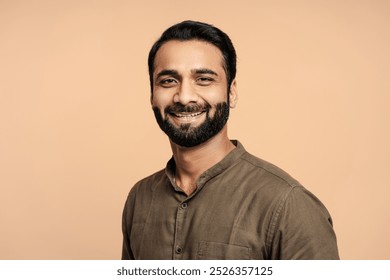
x=168 y=81
x=205 y=80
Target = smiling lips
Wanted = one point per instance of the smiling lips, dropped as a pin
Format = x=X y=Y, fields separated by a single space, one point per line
x=187 y=117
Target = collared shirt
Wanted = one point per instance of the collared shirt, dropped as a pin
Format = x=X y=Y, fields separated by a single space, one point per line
x=243 y=208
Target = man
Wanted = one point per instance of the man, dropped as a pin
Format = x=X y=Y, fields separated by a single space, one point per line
x=214 y=200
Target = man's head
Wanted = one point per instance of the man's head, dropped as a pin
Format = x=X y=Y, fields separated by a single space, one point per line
x=194 y=30
x=192 y=69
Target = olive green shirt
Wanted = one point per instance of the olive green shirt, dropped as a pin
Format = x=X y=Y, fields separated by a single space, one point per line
x=243 y=208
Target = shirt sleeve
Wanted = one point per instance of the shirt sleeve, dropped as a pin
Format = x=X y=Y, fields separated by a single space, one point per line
x=303 y=228
x=127 y=215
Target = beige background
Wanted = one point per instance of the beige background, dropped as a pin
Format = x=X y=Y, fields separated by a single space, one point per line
x=77 y=131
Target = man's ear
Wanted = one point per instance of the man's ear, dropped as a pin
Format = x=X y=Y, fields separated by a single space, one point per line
x=233 y=94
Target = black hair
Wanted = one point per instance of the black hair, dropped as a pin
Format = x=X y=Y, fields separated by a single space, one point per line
x=194 y=30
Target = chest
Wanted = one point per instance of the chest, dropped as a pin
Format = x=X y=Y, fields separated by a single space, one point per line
x=219 y=222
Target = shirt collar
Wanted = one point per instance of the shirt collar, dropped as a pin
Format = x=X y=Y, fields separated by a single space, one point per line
x=229 y=160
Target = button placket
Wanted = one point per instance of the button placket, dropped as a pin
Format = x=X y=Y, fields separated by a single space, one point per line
x=178 y=245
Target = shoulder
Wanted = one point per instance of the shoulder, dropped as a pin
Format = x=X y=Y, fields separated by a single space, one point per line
x=282 y=185
x=148 y=183
x=300 y=226
x=277 y=188
x=265 y=171
x=144 y=188
x=142 y=192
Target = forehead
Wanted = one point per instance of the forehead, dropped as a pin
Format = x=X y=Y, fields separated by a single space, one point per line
x=187 y=55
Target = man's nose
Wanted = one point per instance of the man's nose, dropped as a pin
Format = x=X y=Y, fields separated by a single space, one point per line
x=186 y=93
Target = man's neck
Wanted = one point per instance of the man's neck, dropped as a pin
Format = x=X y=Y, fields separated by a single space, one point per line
x=192 y=162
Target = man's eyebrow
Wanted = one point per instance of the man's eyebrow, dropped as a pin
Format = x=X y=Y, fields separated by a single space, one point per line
x=204 y=71
x=174 y=73
x=167 y=72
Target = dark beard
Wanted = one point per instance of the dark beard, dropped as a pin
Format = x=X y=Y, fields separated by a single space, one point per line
x=188 y=136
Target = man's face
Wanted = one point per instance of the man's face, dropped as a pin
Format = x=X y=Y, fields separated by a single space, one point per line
x=190 y=93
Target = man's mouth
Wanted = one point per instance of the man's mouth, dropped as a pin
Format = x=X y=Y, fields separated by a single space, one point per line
x=186 y=116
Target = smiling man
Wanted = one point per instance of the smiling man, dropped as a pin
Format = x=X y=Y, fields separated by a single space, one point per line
x=214 y=200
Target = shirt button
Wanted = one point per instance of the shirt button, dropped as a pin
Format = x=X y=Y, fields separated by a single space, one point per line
x=178 y=250
x=184 y=205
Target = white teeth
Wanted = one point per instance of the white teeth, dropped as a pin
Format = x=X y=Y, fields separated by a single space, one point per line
x=188 y=116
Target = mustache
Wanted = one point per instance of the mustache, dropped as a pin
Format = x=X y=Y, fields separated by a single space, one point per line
x=180 y=108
